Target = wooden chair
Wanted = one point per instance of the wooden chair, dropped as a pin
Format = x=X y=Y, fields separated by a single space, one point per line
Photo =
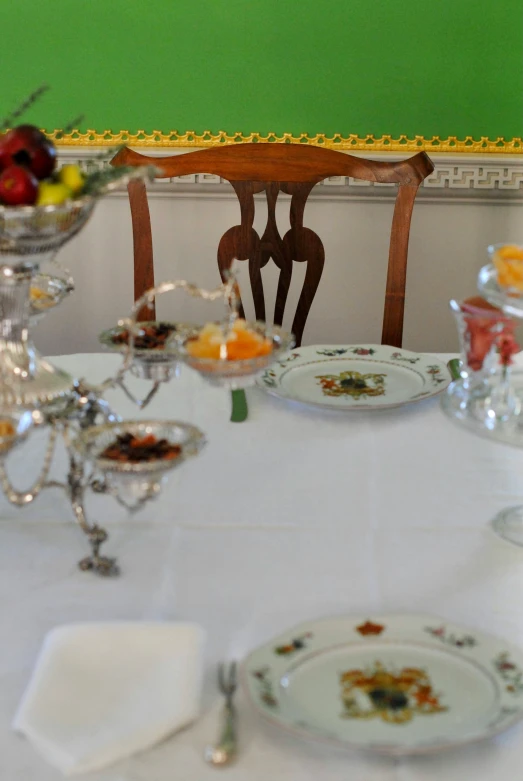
x=293 y=169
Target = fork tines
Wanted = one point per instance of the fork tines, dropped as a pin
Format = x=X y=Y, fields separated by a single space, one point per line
x=227 y=681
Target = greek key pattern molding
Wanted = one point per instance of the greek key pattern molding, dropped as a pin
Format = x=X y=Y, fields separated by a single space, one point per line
x=452 y=178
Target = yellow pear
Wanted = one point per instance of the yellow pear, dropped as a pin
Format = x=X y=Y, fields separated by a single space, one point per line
x=72 y=176
x=52 y=193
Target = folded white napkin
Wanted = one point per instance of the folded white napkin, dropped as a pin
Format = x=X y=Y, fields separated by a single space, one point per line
x=103 y=691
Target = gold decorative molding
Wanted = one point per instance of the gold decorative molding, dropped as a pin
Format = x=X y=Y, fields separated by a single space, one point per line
x=368 y=143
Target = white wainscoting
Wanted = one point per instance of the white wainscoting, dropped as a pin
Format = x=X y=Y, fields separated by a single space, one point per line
x=466 y=204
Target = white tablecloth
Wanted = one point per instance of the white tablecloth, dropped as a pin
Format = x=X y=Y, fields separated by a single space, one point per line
x=292 y=514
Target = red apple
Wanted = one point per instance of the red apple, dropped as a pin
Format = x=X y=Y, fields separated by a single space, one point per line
x=28 y=146
x=18 y=186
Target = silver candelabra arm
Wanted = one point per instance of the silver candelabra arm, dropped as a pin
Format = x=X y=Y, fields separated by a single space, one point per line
x=140 y=403
x=227 y=290
x=85 y=406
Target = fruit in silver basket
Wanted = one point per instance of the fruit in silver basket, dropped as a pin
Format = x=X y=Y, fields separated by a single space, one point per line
x=72 y=176
x=52 y=193
x=26 y=145
x=18 y=186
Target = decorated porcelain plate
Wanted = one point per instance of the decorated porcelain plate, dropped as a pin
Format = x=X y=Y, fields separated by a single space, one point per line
x=355 y=377
x=395 y=684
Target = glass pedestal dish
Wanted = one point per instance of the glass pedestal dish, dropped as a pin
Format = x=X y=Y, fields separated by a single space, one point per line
x=488 y=398
x=239 y=374
x=471 y=407
x=484 y=397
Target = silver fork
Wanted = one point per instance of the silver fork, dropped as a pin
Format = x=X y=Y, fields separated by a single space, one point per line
x=224 y=751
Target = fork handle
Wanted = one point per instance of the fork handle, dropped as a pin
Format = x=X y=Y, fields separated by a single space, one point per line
x=454 y=367
x=228 y=738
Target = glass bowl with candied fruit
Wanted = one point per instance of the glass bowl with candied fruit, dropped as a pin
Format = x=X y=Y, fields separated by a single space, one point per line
x=234 y=356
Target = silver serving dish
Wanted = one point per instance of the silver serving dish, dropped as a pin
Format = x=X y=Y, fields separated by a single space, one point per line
x=92 y=442
x=39 y=230
x=242 y=373
x=158 y=363
x=28 y=380
x=46 y=293
x=35 y=230
x=21 y=425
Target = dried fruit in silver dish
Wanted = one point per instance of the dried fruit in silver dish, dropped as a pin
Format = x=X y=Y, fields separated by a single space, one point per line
x=132 y=449
x=152 y=336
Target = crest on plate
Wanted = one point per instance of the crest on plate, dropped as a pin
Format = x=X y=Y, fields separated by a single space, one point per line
x=352 y=383
x=395 y=697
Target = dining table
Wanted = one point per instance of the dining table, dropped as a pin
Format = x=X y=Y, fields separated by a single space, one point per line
x=294 y=514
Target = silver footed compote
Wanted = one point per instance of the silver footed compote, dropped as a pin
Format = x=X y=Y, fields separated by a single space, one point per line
x=156 y=352
x=131 y=478
x=93 y=443
x=239 y=373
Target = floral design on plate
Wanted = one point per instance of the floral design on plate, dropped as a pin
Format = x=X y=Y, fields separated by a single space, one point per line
x=297 y=644
x=450 y=638
x=269 y=378
x=435 y=373
x=332 y=352
x=290 y=358
x=352 y=383
x=395 y=697
x=400 y=357
x=510 y=673
x=265 y=689
x=369 y=628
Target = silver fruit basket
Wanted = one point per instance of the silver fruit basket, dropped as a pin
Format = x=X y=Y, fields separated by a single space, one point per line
x=37 y=230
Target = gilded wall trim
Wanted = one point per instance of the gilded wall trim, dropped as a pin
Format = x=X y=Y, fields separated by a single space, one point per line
x=354 y=143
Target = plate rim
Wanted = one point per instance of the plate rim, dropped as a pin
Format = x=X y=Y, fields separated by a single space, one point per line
x=276 y=391
x=380 y=749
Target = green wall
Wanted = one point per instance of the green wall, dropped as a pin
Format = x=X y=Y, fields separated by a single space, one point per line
x=426 y=67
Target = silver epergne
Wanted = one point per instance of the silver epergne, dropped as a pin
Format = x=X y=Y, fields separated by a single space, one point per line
x=36 y=394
